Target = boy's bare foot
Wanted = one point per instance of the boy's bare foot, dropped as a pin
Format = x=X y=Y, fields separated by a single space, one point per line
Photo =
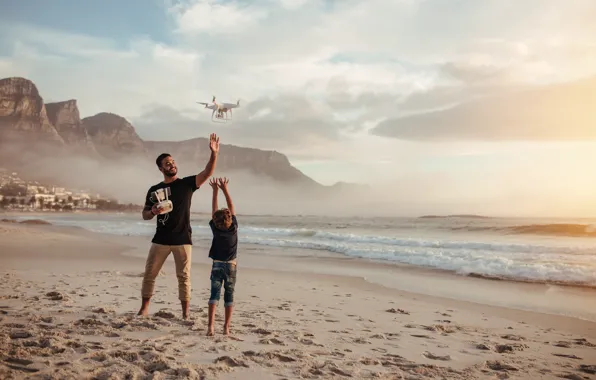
x=144 y=307
x=228 y=320
x=210 y=329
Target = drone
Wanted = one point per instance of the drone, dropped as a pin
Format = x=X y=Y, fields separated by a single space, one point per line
x=220 y=111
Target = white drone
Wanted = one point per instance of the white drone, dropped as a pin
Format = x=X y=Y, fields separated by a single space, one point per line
x=220 y=111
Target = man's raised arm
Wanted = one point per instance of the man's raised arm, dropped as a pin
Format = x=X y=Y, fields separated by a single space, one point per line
x=202 y=177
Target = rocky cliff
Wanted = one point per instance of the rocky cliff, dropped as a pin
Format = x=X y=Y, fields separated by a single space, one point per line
x=65 y=117
x=23 y=113
x=113 y=136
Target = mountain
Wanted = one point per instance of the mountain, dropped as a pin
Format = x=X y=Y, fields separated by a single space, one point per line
x=113 y=136
x=65 y=118
x=261 y=162
x=56 y=131
x=23 y=114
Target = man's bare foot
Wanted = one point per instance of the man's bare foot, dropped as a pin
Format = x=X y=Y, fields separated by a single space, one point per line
x=210 y=331
x=185 y=309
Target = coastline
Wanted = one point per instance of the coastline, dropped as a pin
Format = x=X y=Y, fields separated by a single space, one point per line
x=70 y=295
x=548 y=297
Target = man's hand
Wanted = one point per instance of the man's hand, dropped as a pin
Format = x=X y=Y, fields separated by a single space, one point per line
x=150 y=212
x=156 y=209
x=223 y=183
x=214 y=143
x=213 y=183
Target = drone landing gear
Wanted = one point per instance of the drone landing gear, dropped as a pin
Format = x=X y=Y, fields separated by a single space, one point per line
x=222 y=117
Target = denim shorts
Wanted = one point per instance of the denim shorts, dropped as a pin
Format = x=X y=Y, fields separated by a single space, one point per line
x=222 y=274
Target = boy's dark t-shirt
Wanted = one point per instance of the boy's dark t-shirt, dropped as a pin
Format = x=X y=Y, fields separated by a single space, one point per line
x=225 y=242
x=174 y=227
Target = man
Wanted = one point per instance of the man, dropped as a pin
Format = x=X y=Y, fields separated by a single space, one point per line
x=173 y=232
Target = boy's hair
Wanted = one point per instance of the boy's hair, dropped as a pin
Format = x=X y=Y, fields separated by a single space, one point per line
x=222 y=219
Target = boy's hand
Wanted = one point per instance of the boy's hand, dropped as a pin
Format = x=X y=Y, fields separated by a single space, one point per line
x=213 y=183
x=223 y=183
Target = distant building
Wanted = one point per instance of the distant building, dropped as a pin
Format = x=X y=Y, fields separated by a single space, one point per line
x=32 y=195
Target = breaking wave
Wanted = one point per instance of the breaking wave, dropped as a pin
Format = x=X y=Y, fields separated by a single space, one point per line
x=480 y=255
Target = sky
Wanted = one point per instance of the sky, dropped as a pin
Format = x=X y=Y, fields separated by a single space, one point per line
x=470 y=101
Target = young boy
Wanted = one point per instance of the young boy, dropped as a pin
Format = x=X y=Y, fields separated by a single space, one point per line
x=223 y=252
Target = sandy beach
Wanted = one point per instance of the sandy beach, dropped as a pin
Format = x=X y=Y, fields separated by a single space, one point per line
x=69 y=297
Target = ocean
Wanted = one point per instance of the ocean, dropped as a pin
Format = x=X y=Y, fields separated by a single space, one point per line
x=533 y=250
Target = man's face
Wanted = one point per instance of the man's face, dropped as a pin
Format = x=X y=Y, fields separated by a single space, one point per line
x=168 y=167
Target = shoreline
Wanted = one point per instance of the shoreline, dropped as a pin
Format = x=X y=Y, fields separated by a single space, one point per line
x=379 y=273
x=429 y=217
x=69 y=299
x=510 y=293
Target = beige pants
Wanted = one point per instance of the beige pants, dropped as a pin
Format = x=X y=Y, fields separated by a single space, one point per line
x=157 y=256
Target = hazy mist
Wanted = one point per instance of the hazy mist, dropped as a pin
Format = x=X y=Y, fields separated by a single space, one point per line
x=469 y=191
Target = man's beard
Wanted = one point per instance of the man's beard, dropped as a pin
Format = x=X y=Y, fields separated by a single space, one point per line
x=171 y=173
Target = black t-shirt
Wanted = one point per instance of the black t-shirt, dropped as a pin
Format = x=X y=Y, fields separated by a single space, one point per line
x=174 y=228
x=225 y=242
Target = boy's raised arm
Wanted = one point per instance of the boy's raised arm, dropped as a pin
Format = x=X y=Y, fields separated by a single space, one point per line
x=213 y=184
x=223 y=184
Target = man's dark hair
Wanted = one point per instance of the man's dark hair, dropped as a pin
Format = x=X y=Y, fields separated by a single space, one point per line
x=160 y=159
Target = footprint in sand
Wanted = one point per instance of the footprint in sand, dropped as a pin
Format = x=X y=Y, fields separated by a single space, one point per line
x=567 y=356
x=231 y=362
x=276 y=341
x=513 y=337
x=397 y=311
x=432 y=356
x=422 y=336
x=262 y=331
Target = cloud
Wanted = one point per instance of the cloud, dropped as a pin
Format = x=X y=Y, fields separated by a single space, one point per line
x=383 y=50
x=319 y=74
x=209 y=17
x=286 y=123
x=100 y=74
x=555 y=112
